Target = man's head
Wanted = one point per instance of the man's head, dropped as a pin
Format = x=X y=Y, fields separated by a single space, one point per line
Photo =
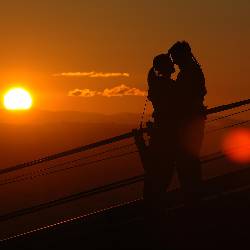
x=163 y=64
x=180 y=53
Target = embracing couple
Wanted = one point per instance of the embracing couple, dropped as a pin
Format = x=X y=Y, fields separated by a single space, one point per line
x=179 y=117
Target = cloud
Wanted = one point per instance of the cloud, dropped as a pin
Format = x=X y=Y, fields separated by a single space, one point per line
x=121 y=90
x=93 y=74
x=100 y=74
x=82 y=92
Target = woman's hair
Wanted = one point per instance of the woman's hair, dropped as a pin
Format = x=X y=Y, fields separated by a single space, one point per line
x=151 y=75
x=183 y=49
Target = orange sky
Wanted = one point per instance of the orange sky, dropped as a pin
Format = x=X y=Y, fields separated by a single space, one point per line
x=42 y=39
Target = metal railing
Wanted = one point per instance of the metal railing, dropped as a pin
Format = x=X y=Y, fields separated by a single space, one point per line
x=109 y=141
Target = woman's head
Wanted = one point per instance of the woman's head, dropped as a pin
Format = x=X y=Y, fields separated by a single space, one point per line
x=181 y=53
x=163 y=64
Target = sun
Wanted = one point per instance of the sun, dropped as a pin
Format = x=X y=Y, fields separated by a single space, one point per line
x=17 y=99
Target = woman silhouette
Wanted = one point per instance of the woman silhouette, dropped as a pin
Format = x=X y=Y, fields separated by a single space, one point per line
x=159 y=160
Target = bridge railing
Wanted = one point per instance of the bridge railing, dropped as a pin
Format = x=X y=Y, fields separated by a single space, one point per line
x=108 y=141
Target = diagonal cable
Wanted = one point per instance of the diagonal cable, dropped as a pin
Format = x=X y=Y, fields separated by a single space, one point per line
x=7 y=180
x=226 y=116
x=30 y=177
x=227 y=127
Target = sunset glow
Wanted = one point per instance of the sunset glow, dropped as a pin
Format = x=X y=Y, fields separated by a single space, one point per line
x=236 y=145
x=17 y=99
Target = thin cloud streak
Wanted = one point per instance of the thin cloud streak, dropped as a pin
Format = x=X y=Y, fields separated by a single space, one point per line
x=117 y=91
x=92 y=74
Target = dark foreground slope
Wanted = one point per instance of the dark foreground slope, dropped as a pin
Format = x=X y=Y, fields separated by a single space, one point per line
x=222 y=222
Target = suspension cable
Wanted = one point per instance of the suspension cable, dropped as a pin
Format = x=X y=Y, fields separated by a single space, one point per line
x=43 y=173
x=143 y=113
x=226 y=116
x=65 y=163
x=227 y=127
x=67 y=153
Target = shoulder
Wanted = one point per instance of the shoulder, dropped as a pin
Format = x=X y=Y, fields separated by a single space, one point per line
x=193 y=72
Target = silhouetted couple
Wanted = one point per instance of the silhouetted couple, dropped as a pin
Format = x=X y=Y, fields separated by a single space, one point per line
x=176 y=138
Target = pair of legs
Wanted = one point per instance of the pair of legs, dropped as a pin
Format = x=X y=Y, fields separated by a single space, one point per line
x=172 y=147
x=158 y=179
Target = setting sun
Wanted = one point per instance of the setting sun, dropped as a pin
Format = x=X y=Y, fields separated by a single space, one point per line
x=17 y=99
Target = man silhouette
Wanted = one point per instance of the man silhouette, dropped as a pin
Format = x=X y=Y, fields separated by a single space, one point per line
x=190 y=86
